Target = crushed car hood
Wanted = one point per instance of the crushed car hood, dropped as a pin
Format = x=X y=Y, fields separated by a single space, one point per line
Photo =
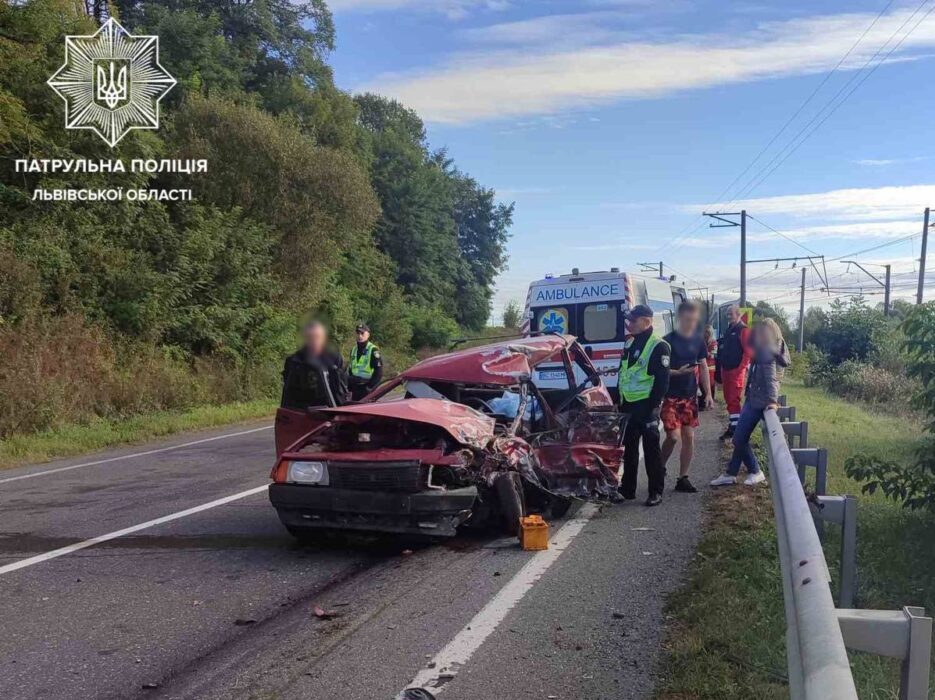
x=502 y=364
x=463 y=423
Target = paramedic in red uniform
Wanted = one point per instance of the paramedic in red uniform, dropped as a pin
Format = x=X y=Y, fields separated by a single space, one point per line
x=733 y=359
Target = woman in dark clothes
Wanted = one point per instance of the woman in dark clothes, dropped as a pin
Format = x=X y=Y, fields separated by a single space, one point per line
x=770 y=358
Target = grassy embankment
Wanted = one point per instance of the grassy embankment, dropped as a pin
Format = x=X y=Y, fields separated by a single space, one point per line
x=726 y=639
x=99 y=433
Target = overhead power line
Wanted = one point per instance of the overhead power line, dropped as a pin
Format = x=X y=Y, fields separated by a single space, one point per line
x=807 y=130
x=697 y=223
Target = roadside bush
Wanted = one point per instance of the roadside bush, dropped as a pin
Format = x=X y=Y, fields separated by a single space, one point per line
x=813 y=366
x=854 y=379
x=431 y=328
x=849 y=330
x=912 y=485
x=866 y=382
x=60 y=370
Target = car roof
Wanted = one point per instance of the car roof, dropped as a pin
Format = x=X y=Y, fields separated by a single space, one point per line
x=502 y=364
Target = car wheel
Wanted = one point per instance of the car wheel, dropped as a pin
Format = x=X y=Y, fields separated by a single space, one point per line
x=509 y=489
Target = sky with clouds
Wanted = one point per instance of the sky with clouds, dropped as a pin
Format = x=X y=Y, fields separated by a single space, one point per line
x=612 y=124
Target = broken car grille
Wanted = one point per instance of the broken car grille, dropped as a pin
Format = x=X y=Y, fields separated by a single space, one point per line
x=378 y=476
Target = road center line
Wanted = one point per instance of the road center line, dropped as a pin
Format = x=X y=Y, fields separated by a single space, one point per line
x=459 y=650
x=131 y=456
x=55 y=553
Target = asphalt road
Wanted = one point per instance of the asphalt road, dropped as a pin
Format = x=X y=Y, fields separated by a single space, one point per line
x=216 y=601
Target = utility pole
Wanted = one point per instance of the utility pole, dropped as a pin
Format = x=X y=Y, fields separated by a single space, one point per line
x=885 y=284
x=802 y=313
x=719 y=216
x=651 y=267
x=886 y=292
x=743 y=258
x=925 y=240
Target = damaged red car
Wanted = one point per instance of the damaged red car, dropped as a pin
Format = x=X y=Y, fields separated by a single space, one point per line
x=462 y=439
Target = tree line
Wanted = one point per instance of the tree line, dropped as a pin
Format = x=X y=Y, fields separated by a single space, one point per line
x=315 y=201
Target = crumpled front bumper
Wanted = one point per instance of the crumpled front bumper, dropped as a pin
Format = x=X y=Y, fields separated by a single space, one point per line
x=433 y=513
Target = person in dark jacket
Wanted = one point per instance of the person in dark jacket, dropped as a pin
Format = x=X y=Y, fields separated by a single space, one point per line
x=314 y=375
x=770 y=358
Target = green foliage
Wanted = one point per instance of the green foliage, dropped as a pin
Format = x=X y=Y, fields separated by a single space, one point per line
x=849 y=329
x=512 y=314
x=910 y=485
x=764 y=309
x=913 y=483
x=919 y=328
x=431 y=328
x=314 y=203
x=445 y=233
x=816 y=319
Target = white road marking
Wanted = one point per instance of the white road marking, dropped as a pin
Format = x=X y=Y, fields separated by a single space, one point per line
x=131 y=456
x=55 y=553
x=459 y=650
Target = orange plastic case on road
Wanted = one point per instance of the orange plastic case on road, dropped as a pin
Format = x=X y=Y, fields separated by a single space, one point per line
x=533 y=533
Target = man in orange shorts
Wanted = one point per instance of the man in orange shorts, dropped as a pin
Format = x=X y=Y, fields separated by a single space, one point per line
x=679 y=412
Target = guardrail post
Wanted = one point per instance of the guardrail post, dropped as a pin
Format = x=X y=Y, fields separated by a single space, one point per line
x=812 y=457
x=900 y=634
x=843 y=511
x=786 y=413
x=916 y=667
x=797 y=428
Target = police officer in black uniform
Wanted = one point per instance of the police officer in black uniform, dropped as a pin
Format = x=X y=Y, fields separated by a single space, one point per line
x=315 y=375
x=643 y=379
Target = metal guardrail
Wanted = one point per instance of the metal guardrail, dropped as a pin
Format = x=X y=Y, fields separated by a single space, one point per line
x=818 y=634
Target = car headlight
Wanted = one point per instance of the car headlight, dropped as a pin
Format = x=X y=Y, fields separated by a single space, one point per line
x=308 y=473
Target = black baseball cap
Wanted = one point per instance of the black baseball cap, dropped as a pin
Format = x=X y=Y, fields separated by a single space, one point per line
x=639 y=311
x=363 y=327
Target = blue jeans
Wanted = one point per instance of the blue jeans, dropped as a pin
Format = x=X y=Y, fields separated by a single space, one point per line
x=743 y=453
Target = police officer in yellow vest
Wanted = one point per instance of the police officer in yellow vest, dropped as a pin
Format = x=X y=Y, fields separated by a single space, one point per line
x=366 y=369
x=643 y=379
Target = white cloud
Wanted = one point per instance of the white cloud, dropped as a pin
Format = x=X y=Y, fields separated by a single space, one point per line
x=518 y=81
x=454 y=9
x=615 y=246
x=508 y=192
x=857 y=204
x=882 y=162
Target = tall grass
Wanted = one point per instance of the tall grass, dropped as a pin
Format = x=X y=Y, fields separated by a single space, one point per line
x=61 y=371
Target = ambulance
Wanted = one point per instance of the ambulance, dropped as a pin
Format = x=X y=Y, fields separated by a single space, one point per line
x=592 y=306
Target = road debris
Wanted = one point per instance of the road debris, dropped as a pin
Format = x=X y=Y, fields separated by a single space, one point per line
x=242 y=622
x=323 y=614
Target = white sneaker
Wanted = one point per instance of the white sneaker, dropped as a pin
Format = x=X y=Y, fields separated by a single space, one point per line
x=754 y=479
x=724 y=480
